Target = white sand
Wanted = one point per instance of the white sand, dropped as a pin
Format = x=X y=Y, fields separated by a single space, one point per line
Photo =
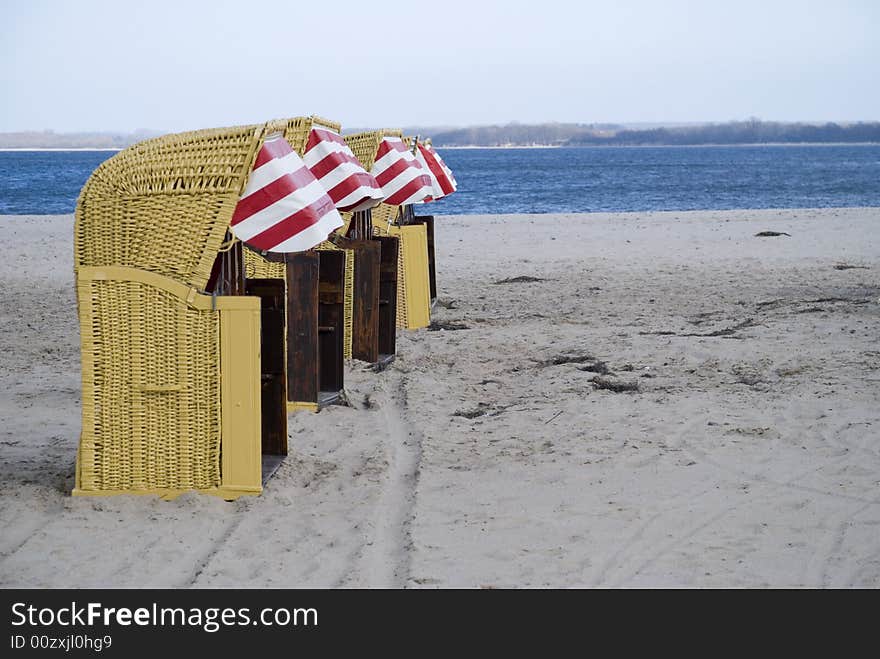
x=747 y=459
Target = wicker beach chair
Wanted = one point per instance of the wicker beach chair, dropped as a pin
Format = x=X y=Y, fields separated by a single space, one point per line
x=320 y=298
x=413 y=309
x=171 y=336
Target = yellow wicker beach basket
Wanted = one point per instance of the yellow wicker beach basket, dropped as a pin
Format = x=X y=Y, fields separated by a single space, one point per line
x=413 y=286
x=296 y=132
x=170 y=375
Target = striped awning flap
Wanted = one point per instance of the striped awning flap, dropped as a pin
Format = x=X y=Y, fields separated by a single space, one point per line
x=332 y=162
x=402 y=178
x=442 y=181
x=450 y=177
x=284 y=208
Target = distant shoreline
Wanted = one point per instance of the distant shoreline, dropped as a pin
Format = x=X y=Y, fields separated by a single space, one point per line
x=58 y=148
x=656 y=146
x=516 y=146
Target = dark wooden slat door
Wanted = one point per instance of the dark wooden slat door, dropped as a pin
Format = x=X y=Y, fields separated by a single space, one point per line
x=365 y=339
x=273 y=382
x=428 y=221
x=227 y=273
x=302 y=327
x=331 y=320
x=388 y=294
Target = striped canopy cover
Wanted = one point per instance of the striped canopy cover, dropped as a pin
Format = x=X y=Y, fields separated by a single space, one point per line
x=331 y=161
x=442 y=181
x=284 y=208
x=402 y=178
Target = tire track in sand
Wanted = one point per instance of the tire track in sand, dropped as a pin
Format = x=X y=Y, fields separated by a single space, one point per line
x=385 y=562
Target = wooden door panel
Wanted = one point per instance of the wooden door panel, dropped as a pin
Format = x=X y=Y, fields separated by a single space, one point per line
x=273 y=385
x=331 y=320
x=302 y=327
x=388 y=294
x=428 y=221
x=365 y=342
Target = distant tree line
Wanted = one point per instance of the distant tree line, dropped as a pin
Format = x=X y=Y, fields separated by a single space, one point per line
x=551 y=134
x=48 y=139
x=752 y=131
x=740 y=132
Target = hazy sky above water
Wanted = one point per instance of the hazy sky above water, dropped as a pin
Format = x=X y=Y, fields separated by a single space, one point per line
x=183 y=64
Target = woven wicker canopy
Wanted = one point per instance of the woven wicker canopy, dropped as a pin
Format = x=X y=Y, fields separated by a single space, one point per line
x=296 y=130
x=164 y=205
x=365 y=145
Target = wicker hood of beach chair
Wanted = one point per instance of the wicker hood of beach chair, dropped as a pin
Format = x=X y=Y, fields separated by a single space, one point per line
x=170 y=375
x=413 y=282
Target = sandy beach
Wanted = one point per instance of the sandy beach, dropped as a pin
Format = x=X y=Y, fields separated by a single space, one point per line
x=655 y=399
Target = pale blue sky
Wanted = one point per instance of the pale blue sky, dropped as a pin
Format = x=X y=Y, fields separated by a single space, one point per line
x=182 y=64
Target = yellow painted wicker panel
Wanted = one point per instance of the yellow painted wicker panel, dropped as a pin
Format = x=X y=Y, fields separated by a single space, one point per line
x=413 y=281
x=402 y=319
x=151 y=389
x=301 y=406
x=241 y=440
x=348 y=306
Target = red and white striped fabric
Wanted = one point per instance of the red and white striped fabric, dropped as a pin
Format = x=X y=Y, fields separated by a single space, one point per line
x=400 y=175
x=331 y=161
x=284 y=208
x=442 y=181
x=449 y=176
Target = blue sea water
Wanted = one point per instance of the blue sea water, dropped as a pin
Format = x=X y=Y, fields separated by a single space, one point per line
x=558 y=180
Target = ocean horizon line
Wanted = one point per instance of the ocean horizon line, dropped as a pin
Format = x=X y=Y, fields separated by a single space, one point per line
x=657 y=211
x=463 y=147
x=15 y=149
x=652 y=146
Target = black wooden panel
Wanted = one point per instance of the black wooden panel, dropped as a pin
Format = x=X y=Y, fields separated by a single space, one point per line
x=388 y=294
x=365 y=339
x=428 y=221
x=273 y=385
x=302 y=327
x=331 y=320
x=227 y=273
